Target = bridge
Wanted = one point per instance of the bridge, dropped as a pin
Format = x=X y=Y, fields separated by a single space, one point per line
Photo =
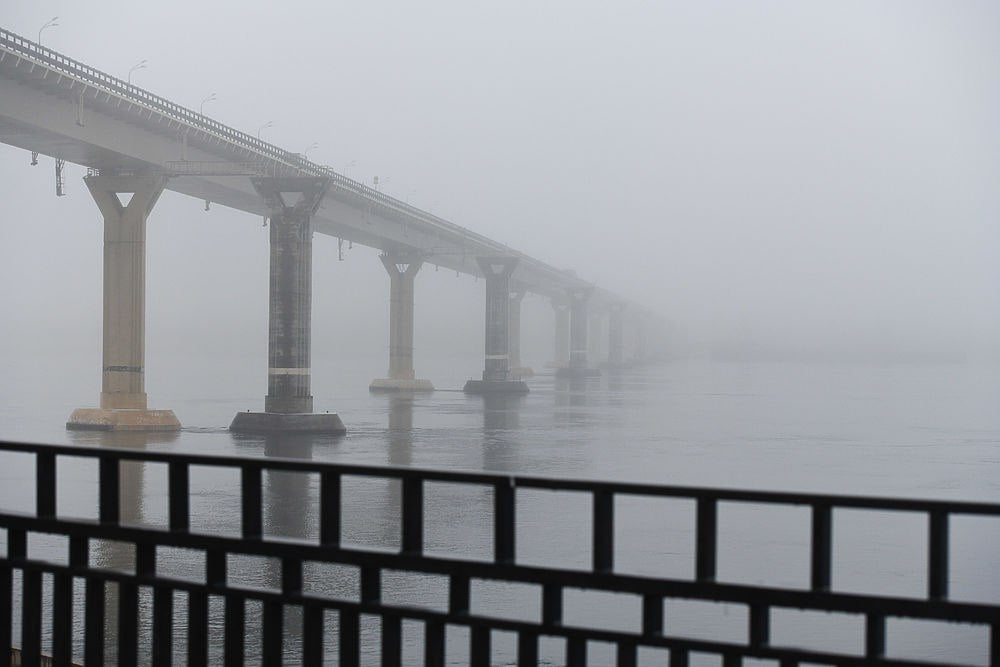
x=136 y=145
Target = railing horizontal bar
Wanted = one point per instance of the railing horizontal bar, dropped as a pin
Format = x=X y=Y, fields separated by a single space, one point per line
x=475 y=478
x=737 y=593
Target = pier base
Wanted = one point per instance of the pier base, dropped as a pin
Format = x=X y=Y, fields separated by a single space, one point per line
x=281 y=422
x=385 y=385
x=577 y=372
x=104 y=419
x=495 y=387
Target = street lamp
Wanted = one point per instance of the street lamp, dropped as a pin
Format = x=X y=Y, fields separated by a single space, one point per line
x=376 y=182
x=305 y=153
x=139 y=65
x=210 y=98
x=266 y=125
x=348 y=166
x=51 y=23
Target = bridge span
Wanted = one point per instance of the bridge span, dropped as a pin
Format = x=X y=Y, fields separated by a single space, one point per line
x=136 y=144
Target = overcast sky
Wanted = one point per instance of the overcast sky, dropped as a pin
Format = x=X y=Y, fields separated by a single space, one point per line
x=793 y=175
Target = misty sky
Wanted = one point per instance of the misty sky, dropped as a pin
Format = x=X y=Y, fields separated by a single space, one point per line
x=817 y=177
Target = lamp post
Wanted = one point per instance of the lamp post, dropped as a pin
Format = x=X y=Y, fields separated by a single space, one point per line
x=139 y=65
x=52 y=22
x=305 y=153
x=266 y=125
x=210 y=98
x=348 y=166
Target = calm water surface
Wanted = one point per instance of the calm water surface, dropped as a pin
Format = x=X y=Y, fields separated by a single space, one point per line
x=923 y=431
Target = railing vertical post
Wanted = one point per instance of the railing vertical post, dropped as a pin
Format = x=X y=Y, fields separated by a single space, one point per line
x=350 y=651
x=576 y=651
x=6 y=602
x=197 y=629
x=652 y=615
x=312 y=635
x=163 y=625
x=329 y=508
x=458 y=594
x=707 y=519
x=128 y=623
x=412 y=513
x=479 y=646
x=760 y=625
x=627 y=654
x=603 y=531
x=31 y=618
x=527 y=649
x=62 y=618
x=874 y=636
x=93 y=625
x=392 y=641
x=235 y=631
x=503 y=521
x=250 y=494
x=272 y=629
x=215 y=568
x=109 y=481
x=45 y=484
x=178 y=485
x=433 y=644
x=552 y=604
x=821 y=547
x=371 y=584
x=937 y=557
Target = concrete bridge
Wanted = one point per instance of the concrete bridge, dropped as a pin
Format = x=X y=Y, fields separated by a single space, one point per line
x=136 y=144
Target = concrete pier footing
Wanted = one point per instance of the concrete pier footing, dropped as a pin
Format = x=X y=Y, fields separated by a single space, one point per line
x=288 y=405
x=123 y=390
x=496 y=374
x=402 y=271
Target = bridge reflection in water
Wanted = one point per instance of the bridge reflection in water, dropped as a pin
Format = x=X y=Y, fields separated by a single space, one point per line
x=301 y=560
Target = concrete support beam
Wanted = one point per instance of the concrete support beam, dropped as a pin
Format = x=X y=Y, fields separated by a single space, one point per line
x=496 y=374
x=288 y=405
x=578 y=323
x=616 y=338
x=517 y=369
x=561 y=356
x=123 y=389
x=402 y=273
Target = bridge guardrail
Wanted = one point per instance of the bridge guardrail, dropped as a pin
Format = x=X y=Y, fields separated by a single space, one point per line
x=94 y=77
x=550 y=581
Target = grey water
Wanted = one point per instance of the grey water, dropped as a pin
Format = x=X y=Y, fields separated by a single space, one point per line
x=927 y=431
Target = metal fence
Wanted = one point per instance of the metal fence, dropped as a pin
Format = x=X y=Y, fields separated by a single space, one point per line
x=75 y=578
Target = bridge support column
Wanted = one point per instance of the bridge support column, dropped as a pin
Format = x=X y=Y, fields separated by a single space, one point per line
x=402 y=272
x=517 y=371
x=578 y=323
x=496 y=375
x=616 y=339
x=288 y=405
x=561 y=358
x=123 y=389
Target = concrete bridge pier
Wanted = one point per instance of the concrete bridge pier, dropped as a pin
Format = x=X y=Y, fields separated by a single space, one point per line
x=616 y=337
x=288 y=405
x=578 y=323
x=123 y=389
x=517 y=370
x=402 y=273
x=561 y=353
x=496 y=375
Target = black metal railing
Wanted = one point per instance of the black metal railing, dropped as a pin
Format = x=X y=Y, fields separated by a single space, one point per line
x=229 y=599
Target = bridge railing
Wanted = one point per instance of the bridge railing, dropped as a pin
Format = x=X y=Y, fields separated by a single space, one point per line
x=282 y=158
x=549 y=581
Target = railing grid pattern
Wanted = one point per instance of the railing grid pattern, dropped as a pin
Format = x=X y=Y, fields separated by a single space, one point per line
x=552 y=580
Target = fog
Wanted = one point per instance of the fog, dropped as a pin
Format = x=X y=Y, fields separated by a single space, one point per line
x=776 y=180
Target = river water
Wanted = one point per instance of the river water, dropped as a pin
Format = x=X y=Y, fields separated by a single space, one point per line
x=929 y=431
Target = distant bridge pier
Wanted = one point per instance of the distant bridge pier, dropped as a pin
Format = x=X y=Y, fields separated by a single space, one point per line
x=288 y=405
x=561 y=355
x=496 y=374
x=402 y=271
x=517 y=370
x=123 y=389
x=578 y=323
x=616 y=337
